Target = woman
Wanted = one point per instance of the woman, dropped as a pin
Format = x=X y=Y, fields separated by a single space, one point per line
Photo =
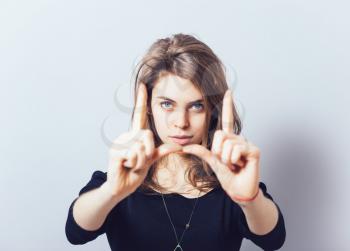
x=182 y=178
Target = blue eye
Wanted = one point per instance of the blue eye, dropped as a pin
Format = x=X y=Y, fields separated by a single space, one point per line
x=200 y=106
x=165 y=102
x=168 y=105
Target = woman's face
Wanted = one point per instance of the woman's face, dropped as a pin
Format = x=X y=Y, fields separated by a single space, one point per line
x=178 y=110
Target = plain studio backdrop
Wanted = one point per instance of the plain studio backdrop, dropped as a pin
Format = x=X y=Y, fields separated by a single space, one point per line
x=65 y=74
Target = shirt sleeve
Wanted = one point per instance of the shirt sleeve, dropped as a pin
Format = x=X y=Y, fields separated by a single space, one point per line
x=273 y=240
x=75 y=233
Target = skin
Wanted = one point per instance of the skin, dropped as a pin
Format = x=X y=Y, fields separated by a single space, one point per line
x=127 y=170
x=130 y=157
x=236 y=163
x=234 y=160
x=175 y=113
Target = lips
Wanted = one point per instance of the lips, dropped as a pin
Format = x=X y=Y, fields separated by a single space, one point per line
x=181 y=136
x=182 y=140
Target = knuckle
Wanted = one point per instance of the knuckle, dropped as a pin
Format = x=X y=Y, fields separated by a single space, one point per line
x=148 y=139
x=130 y=154
x=122 y=137
x=257 y=151
x=133 y=160
x=139 y=146
x=139 y=133
x=139 y=164
x=227 y=144
x=123 y=141
x=148 y=153
x=134 y=136
x=116 y=146
x=218 y=133
x=142 y=162
x=115 y=153
x=238 y=147
x=148 y=133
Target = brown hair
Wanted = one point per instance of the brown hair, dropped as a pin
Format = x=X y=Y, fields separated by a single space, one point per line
x=187 y=57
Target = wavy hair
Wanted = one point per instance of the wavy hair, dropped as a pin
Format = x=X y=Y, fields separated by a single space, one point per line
x=187 y=57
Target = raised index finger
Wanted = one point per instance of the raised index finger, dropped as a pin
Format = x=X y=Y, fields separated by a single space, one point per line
x=140 y=114
x=227 y=112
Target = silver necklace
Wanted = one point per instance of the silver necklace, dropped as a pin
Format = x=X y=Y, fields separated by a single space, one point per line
x=178 y=246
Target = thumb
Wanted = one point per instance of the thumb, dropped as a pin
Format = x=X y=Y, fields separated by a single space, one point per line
x=206 y=155
x=199 y=151
x=165 y=149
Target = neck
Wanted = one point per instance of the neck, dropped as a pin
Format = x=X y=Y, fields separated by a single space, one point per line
x=170 y=174
x=174 y=162
x=170 y=170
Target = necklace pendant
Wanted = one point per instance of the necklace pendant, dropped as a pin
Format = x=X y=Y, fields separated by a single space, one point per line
x=178 y=247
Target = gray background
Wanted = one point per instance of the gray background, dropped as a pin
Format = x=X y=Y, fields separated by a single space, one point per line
x=61 y=63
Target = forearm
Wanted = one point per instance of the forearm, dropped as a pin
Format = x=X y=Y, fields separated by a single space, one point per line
x=91 y=208
x=261 y=214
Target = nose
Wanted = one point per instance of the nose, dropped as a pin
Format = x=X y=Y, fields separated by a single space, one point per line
x=181 y=120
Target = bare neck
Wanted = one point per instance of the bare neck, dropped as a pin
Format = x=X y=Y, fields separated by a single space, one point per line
x=171 y=175
x=171 y=172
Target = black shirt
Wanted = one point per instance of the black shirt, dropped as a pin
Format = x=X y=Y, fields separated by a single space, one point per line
x=140 y=222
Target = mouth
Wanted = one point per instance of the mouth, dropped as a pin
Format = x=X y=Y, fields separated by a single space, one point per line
x=182 y=140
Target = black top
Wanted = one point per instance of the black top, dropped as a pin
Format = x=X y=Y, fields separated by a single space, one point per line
x=140 y=222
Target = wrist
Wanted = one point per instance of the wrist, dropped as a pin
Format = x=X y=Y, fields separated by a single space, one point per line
x=109 y=194
x=243 y=202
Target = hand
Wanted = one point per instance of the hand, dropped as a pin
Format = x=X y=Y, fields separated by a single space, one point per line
x=234 y=160
x=134 y=152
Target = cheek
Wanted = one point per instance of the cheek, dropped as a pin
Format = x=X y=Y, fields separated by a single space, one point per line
x=198 y=122
x=159 y=119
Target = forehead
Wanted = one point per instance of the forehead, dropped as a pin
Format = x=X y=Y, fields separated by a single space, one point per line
x=176 y=88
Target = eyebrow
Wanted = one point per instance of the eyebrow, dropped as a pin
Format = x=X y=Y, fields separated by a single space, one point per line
x=195 y=101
